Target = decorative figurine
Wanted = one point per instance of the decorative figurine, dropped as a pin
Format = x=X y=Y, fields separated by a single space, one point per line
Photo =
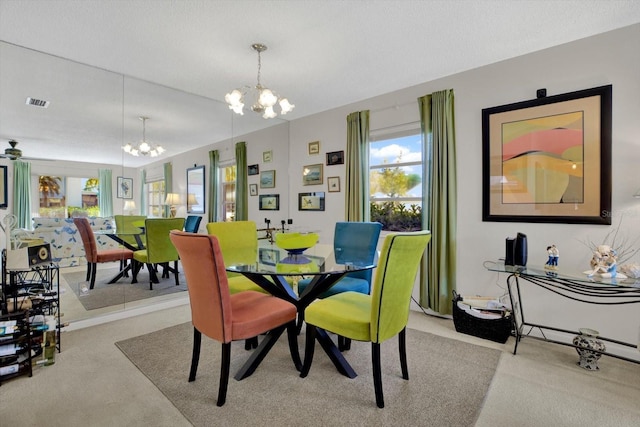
x=552 y=261
x=604 y=263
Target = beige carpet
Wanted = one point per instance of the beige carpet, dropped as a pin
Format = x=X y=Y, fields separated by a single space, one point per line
x=106 y=295
x=448 y=382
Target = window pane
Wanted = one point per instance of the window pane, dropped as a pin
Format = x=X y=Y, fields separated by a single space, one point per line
x=62 y=197
x=395 y=182
x=228 y=191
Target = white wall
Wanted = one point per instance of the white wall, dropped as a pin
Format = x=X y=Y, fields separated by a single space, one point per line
x=610 y=58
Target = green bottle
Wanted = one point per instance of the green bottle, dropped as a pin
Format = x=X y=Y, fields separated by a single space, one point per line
x=50 y=348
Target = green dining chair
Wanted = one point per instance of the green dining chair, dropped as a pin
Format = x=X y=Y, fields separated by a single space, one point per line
x=158 y=248
x=376 y=317
x=125 y=224
x=239 y=244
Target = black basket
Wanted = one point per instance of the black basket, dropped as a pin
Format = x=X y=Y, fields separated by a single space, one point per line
x=497 y=330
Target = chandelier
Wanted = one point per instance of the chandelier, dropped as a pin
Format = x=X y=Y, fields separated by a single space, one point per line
x=265 y=98
x=143 y=147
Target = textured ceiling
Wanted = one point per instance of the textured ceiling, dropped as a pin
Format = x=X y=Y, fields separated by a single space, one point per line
x=322 y=54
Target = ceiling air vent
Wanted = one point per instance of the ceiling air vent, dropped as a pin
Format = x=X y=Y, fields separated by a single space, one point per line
x=37 y=102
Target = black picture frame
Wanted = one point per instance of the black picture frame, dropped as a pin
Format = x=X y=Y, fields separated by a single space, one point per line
x=335 y=158
x=269 y=202
x=268 y=256
x=196 y=189
x=4 y=203
x=253 y=169
x=311 y=201
x=548 y=160
x=124 y=188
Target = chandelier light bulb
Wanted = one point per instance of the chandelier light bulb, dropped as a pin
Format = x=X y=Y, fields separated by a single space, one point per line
x=285 y=106
x=269 y=113
x=267 y=98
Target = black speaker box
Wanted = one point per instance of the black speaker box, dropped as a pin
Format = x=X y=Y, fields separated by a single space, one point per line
x=510 y=251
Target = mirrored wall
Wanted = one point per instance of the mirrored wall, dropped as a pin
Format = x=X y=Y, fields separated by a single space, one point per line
x=91 y=104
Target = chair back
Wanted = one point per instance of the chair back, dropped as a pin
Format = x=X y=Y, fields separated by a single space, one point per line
x=125 y=225
x=192 y=223
x=356 y=241
x=159 y=247
x=207 y=284
x=395 y=276
x=238 y=241
x=88 y=238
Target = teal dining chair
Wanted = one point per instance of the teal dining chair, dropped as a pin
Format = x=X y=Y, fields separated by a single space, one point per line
x=192 y=223
x=352 y=242
x=376 y=317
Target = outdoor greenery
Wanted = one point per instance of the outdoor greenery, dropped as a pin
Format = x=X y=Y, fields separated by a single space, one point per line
x=394 y=182
x=396 y=216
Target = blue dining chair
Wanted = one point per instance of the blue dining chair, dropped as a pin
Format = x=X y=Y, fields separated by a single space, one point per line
x=352 y=241
x=192 y=223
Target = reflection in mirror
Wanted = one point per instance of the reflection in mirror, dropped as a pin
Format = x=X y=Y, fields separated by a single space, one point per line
x=90 y=104
x=195 y=190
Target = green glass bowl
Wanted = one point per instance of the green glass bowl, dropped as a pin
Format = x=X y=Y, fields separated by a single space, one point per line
x=296 y=241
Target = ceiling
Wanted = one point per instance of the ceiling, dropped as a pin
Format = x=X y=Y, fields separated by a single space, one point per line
x=322 y=54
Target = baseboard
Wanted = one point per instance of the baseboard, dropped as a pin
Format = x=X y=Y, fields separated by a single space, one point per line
x=124 y=314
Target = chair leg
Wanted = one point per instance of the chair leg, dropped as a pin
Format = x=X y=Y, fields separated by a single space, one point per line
x=377 y=374
x=152 y=276
x=195 y=357
x=251 y=343
x=175 y=272
x=94 y=268
x=88 y=271
x=402 y=343
x=300 y=321
x=309 y=347
x=292 y=334
x=344 y=343
x=224 y=373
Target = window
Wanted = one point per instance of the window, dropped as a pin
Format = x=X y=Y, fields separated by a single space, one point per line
x=63 y=197
x=155 y=198
x=396 y=180
x=228 y=192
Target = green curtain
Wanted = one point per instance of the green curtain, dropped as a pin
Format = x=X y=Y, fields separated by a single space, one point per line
x=168 y=186
x=214 y=159
x=438 y=273
x=242 y=203
x=105 y=192
x=22 y=193
x=143 y=194
x=356 y=195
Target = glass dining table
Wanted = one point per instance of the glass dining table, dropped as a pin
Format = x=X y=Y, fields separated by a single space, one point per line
x=277 y=271
x=126 y=239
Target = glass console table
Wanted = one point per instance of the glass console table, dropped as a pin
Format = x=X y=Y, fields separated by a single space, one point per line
x=576 y=286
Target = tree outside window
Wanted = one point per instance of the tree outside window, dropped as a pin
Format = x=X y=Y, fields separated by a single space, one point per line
x=395 y=182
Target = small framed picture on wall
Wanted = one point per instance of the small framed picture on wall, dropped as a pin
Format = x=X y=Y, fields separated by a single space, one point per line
x=335 y=158
x=253 y=169
x=334 y=184
x=253 y=189
x=314 y=147
x=125 y=188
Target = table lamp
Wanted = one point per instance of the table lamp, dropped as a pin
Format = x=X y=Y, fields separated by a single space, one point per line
x=191 y=201
x=129 y=206
x=172 y=200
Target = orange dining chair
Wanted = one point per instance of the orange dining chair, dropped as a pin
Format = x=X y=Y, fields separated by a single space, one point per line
x=95 y=256
x=226 y=317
